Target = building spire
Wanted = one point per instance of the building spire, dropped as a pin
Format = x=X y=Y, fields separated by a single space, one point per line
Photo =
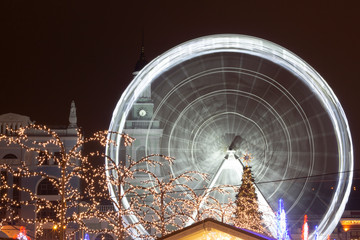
x=142 y=61
x=72 y=116
x=142 y=53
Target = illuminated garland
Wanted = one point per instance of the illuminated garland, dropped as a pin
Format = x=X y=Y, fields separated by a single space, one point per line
x=247 y=214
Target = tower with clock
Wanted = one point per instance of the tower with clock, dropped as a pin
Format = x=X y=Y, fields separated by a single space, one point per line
x=140 y=123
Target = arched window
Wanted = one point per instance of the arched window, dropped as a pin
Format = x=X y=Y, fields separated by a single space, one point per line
x=10 y=156
x=104 y=236
x=46 y=187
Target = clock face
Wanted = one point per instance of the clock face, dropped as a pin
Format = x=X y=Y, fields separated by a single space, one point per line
x=142 y=113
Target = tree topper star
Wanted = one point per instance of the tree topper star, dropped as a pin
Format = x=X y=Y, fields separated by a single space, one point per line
x=246 y=158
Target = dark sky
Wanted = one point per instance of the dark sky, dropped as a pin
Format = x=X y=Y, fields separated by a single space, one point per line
x=55 y=51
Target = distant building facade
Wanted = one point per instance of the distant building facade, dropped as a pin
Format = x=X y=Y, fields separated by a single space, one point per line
x=349 y=227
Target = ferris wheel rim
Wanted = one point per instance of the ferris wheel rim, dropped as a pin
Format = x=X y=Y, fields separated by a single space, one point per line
x=257 y=47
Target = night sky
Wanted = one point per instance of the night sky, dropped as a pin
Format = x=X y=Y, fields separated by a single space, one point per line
x=55 y=51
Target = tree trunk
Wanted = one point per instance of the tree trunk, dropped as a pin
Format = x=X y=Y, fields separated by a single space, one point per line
x=63 y=202
x=120 y=226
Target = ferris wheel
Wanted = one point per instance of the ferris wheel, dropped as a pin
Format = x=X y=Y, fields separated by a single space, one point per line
x=220 y=97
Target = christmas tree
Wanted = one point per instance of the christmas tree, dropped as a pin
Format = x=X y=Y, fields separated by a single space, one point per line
x=247 y=214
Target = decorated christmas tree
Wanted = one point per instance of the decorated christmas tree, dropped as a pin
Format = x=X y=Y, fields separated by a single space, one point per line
x=247 y=214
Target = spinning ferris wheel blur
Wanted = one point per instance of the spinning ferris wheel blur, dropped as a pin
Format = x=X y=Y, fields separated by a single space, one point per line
x=221 y=96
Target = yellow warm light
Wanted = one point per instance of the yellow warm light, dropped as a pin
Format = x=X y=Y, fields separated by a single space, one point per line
x=346 y=224
x=210 y=234
x=55 y=227
x=216 y=234
x=349 y=222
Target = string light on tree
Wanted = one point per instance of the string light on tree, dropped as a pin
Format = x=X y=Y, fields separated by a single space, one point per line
x=247 y=214
x=120 y=178
x=205 y=205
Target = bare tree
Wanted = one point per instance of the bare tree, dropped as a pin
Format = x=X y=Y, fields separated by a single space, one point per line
x=163 y=209
x=10 y=201
x=123 y=220
x=205 y=204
